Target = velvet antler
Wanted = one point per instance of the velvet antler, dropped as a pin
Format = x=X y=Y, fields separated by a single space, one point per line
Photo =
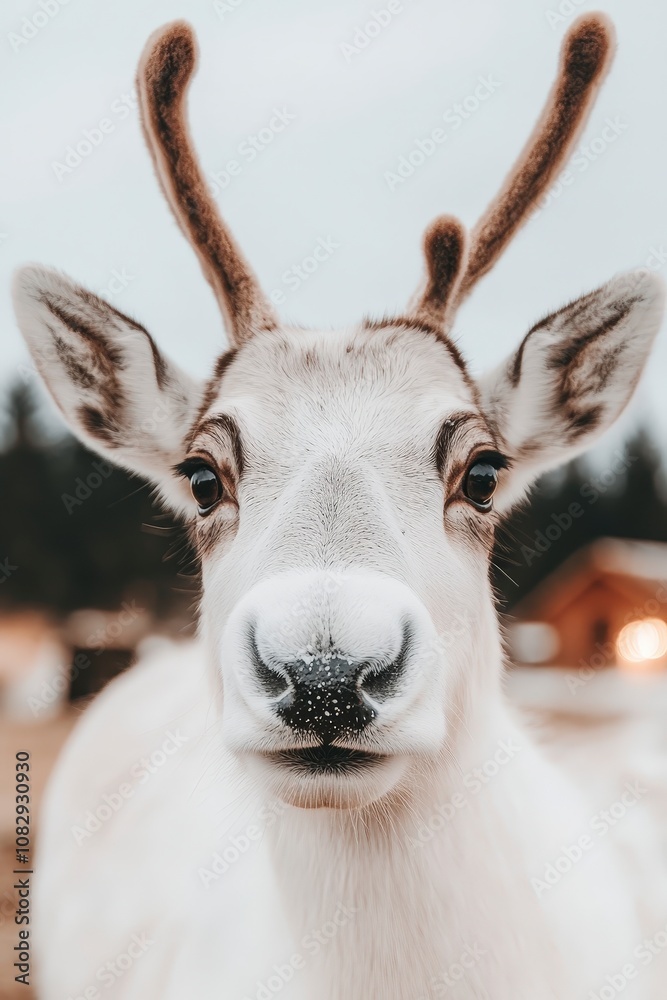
x=165 y=69
x=446 y=253
x=586 y=56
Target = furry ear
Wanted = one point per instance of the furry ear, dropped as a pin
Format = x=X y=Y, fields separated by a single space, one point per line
x=572 y=376
x=116 y=391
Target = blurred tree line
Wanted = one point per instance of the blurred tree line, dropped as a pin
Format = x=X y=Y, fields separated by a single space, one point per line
x=622 y=495
x=77 y=532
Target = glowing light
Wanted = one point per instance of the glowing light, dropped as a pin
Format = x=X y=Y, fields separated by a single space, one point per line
x=642 y=641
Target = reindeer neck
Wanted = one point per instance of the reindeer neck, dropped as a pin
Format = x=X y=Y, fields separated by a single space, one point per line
x=392 y=900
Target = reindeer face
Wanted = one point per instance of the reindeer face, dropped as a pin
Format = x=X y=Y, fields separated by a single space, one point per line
x=343 y=487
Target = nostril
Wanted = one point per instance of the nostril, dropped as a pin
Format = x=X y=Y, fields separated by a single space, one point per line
x=329 y=694
x=273 y=682
x=382 y=680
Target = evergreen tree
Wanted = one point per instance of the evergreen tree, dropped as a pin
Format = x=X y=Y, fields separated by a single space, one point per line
x=573 y=507
x=76 y=531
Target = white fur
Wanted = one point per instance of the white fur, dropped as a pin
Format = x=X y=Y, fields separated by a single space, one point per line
x=343 y=528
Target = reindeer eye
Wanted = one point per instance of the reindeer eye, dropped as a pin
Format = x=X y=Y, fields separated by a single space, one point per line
x=206 y=488
x=480 y=483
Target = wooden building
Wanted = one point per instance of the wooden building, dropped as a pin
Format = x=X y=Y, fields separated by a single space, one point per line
x=604 y=606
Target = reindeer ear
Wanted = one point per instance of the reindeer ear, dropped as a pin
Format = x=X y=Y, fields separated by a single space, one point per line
x=114 y=388
x=572 y=376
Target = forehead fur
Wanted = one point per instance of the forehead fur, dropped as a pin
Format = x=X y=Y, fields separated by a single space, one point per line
x=298 y=370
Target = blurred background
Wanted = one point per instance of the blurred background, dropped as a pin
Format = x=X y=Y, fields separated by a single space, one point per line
x=307 y=116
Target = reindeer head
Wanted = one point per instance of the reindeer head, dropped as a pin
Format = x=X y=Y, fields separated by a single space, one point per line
x=344 y=486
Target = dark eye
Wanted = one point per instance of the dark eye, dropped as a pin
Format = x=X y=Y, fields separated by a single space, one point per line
x=480 y=483
x=206 y=488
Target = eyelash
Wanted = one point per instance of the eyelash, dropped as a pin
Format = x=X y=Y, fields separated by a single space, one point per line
x=494 y=458
x=188 y=466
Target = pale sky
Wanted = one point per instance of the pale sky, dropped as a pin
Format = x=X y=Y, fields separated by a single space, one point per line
x=339 y=118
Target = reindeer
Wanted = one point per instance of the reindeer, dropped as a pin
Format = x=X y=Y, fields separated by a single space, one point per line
x=352 y=810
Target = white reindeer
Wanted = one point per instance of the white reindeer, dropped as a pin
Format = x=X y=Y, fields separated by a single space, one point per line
x=327 y=798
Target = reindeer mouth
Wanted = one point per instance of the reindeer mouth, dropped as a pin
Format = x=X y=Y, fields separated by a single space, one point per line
x=326 y=759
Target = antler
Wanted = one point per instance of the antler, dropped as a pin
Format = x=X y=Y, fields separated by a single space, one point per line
x=446 y=253
x=586 y=56
x=165 y=70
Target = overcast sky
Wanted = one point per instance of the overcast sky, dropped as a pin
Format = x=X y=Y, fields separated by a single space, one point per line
x=343 y=115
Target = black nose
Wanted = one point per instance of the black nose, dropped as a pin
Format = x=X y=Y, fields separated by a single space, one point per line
x=329 y=696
